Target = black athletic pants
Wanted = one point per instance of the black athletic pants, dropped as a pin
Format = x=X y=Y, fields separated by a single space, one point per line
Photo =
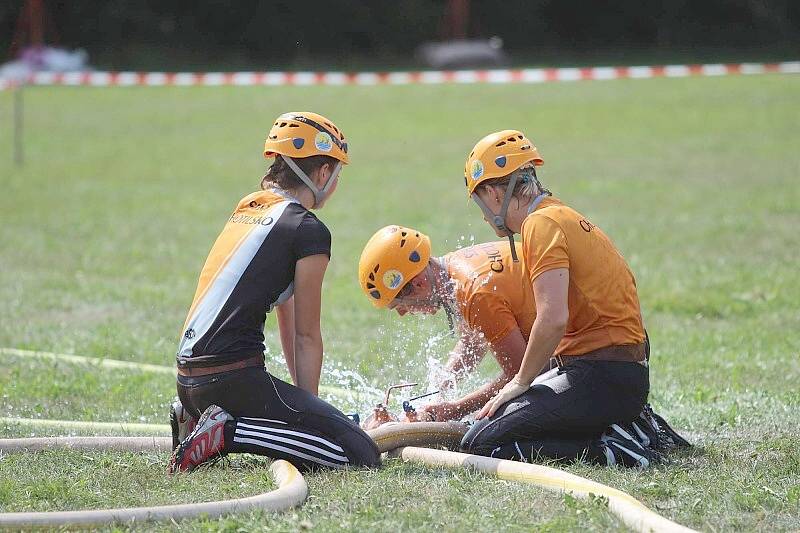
x=279 y=420
x=563 y=413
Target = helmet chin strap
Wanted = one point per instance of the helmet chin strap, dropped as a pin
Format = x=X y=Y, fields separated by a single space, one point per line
x=498 y=220
x=443 y=293
x=319 y=194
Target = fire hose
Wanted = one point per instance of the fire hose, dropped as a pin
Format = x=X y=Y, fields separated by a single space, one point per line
x=397 y=438
x=292 y=488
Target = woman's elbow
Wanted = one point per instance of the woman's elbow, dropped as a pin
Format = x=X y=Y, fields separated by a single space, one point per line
x=555 y=323
x=307 y=338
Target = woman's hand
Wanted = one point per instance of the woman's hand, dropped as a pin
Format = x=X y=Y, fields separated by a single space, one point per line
x=511 y=390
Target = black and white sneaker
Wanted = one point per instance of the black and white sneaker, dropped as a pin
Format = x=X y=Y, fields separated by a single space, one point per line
x=660 y=435
x=619 y=447
x=644 y=433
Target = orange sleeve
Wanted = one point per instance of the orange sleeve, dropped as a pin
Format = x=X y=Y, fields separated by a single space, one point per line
x=545 y=246
x=489 y=314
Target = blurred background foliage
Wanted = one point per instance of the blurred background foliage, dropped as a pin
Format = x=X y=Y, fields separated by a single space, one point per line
x=352 y=34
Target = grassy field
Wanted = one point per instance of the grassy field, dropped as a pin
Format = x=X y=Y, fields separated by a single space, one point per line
x=105 y=228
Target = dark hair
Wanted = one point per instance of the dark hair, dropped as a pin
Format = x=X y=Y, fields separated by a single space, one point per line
x=526 y=177
x=280 y=175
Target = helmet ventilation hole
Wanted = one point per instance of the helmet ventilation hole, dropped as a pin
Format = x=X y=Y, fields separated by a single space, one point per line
x=414 y=257
x=402 y=242
x=375 y=294
x=372 y=276
x=370 y=285
x=334 y=128
x=512 y=140
x=501 y=143
x=294 y=125
x=377 y=267
x=282 y=124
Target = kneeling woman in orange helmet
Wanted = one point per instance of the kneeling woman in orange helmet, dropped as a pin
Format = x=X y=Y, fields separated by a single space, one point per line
x=586 y=315
x=271 y=254
x=479 y=287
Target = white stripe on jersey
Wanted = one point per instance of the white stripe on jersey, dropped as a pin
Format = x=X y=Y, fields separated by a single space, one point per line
x=222 y=287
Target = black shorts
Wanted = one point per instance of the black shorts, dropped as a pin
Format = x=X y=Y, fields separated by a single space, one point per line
x=279 y=420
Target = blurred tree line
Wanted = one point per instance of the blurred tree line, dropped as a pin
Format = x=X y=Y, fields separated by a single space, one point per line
x=283 y=34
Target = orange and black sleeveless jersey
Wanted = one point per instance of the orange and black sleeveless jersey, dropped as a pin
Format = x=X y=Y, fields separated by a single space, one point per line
x=249 y=270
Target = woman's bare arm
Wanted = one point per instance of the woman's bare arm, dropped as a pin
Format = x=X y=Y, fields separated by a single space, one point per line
x=308 y=276
x=550 y=290
x=285 y=313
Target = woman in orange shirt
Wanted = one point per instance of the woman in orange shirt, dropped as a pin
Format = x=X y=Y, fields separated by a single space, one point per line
x=587 y=317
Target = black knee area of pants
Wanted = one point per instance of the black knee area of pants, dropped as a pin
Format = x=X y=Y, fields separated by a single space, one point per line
x=362 y=451
x=481 y=438
x=359 y=448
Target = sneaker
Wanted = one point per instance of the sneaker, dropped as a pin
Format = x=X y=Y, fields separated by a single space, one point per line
x=206 y=442
x=644 y=433
x=663 y=437
x=181 y=421
x=619 y=447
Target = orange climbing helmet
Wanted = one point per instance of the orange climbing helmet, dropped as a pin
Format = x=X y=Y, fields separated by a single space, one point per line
x=299 y=134
x=497 y=155
x=391 y=258
x=304 y=134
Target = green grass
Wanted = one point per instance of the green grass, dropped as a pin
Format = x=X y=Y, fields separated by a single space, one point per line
x=105 y=228
x=395 y=498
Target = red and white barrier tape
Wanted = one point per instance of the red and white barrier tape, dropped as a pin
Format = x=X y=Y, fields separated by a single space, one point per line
x=530 y=75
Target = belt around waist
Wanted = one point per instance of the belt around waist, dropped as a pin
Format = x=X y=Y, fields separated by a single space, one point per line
x=632 y=353
x=256 y=360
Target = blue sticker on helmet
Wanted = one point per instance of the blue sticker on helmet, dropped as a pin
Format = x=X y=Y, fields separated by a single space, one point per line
x=298 y=142
x=500 y=161
x=476 y=171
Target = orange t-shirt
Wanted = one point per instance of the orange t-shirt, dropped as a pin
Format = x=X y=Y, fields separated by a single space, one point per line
x=602 y=299
x=493 y=293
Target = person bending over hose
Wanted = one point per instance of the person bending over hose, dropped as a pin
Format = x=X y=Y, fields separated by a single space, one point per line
x=586 y=315
x=488 y=295
x=271 y=254
x=479 y=288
